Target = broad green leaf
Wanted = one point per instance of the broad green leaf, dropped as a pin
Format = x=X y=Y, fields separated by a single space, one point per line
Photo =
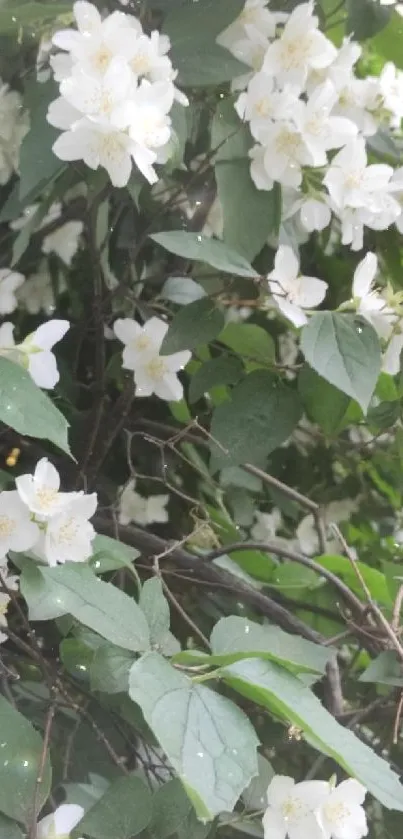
x=198 y=323
x=365 y=18
x=37 y=144
x=375 y=580
x=182 y=290
x=21 y=753
x=192 y=28
x=324 y=404
x=208 y=740
x=27 y=409
x=156 y=609
x=173 y=813
x=384 y=670
x=110 y=669
x=76 y=657
x=225 y=370
x=110 y=555
x=250 y=341
x=384 y=415
x=261 y=415
x=287 y=697
x=229 y=135
x=345 y=351
x=13 y=17
x=246 y=231
x=200 y=248
x=75 y=590
x=9 y=829
x=233 y=636
x=124 y=810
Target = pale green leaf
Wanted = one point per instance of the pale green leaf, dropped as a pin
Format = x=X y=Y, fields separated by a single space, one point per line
x=384 y=670
x=21 y=753
x=246 y=231
x=110 y=669
x=208 y=740
x=37 y=144
x=200 y=248
x=123 y=811
x=345 y=350
x=250 y=341
x=27 y=409
x=225 y=370
x=287 y=697
x=235 y=637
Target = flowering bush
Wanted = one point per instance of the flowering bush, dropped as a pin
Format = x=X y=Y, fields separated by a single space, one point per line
x=201 y=382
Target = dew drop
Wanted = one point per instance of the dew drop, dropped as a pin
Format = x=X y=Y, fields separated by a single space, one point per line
x=247 y=630
x=200 y=754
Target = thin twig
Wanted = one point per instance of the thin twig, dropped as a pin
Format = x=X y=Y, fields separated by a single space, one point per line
x=171 y=597
x=32 y=832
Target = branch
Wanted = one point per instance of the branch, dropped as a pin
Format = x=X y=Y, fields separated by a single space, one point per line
x=151 y=545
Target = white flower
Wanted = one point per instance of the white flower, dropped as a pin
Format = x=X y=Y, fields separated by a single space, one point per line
x=291 y=808
x=314 y=212
x=64 y=241
x=285 y=153
x=58 y=825
x=255 y=17
x=266 y=525
x=17 y=531
x=258 y=171
x=97 y=97
x=300 y=48
x=262 y=104
x=145 y=116
x=69 y=534
x=37 y=348
x=307 y=533
x=40 y=491
x=37 y=292
x=153 y=373
x=391 y=358
x=10 y=281
x=371 y=304
x=99 y=145
x=350 y=181
x=144 y=511
x=342 y=816
x=321 y=131
x=292 y=292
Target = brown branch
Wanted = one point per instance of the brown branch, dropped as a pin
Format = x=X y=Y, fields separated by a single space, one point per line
x=32 y=832
x=151 y=545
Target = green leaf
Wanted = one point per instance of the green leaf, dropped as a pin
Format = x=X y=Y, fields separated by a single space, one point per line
x=250 y=341
x=384 y=670
x=24 y=407
x=171 y=809
x=29 y=14
x=75 y=590
x=110 y=555
x=198 y=323
x=182 y=290
x=287 y=697
x=208 y=740
x=234 y=636
x=225 y=370
x=374 y=579
x=110 y=669
x=345 y=351
x=261 y=415
x=156 y=609
x=384 y=415
x=365 y=18
x=324 y=404
x=123 y=811
x=192 y=29
x=9 y=829
x=246 y=231
x=21 y=753
x=37 y=144
x=76 y=657
x=203 y=249
x=229 y=135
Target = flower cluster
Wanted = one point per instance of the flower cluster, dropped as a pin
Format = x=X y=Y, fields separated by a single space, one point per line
x=35 y=352
x=14 y=125
x=303 y=100
x=139 y=508
x=117 y=90
x=153 y=372
x=37 y=517
x=317 y=809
